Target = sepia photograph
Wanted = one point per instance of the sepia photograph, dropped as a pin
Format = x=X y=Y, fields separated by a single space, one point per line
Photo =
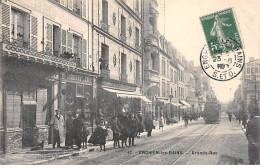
x=129 y=82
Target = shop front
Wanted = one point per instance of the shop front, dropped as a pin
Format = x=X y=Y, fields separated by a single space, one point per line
x=30 y=84
x=77 y=96
x=115 y=98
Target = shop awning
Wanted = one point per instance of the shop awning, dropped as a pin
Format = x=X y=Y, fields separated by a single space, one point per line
x=162 y=99
x=183 y=107
x=127 y=94
x=185 y=103
x=176 y=104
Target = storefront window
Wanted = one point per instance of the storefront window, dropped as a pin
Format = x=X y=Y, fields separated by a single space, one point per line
x=13 y=104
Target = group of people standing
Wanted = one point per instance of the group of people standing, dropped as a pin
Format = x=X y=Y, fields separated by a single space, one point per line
x=129 y=126
x=75 y=129
x=124 y=126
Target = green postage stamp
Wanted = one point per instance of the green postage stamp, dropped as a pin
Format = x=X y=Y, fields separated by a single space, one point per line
x=221 y=31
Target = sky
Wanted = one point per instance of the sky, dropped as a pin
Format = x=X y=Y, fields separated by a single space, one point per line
x=183 y=29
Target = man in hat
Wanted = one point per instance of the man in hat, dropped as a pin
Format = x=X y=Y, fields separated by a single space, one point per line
x=78 y=125
x=253 y=137
x=57 y=122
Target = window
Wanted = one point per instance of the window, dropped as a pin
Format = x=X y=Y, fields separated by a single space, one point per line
x=20 y=27
x=171 y=75
x=76 y=6
x=152 y=27
x=153 y=62
x=137 y=70
x=175 y=76
x=163 y=88
x=13 y=108
x=76 y=45
x=137 y=36
x=123 y=64
x=123 y=26
x=105 y=57
x=163 y=66
x=105 y=12
x=137 y=5
x=56 y=40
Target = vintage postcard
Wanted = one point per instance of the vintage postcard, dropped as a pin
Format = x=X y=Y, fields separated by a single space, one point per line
x=129 y=82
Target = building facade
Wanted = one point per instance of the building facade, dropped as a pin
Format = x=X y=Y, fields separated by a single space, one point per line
x=46 y=52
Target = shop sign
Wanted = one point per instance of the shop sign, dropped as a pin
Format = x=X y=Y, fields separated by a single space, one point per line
x=252 y=70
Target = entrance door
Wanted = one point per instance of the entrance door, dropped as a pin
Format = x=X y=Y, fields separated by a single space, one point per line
x=28 y=125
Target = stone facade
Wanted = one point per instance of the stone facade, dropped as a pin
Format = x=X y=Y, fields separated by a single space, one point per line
x=14 y=140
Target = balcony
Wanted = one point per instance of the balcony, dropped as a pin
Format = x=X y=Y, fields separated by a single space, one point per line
x=124 y=77
x=105 y=73
x=152 y=39
x=123 y=38
x=151 y=75
x=104 y=26
x=22 y=51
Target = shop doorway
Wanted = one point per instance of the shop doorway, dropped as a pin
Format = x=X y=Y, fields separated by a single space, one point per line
x=28 y=124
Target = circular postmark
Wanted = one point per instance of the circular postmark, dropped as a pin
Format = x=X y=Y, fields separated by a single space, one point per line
x=224 y=64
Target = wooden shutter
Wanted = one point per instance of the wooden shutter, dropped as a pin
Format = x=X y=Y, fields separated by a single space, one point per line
x=49 y=37
x=70 y=4
x=34 y=33
x=63 y=41
x=69 y=42
x=84 y=8
x=6 y=13
x=84 y=52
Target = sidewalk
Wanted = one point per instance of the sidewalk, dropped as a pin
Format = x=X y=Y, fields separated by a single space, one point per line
x=28 y=157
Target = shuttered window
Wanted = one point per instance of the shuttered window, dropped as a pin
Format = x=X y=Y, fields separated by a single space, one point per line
x=69 y=42
x=63 y=41
x=84 y=8
x=84 y=53
x=6 y=11
x=49 y=37
x=34 y=33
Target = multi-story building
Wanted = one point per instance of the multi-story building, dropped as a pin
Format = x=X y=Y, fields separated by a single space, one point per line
x=151 y=61
x=190 y=85
x=250 y=86
x=117 y=45
x=47 y=60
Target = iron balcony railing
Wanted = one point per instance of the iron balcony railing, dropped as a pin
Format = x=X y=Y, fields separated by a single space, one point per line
x=22 y=50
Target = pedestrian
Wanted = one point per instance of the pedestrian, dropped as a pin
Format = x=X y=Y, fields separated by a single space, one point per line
x=148 y=123
x=186 y=118
x=253 y=137
x=239 y=116
x=99 y=136
x=140 y=124
x=230 y=116
x=57 y=123
x=161 y=123
x=133 y=128
x=69 y=131
x=244 y=119
x=78 y=125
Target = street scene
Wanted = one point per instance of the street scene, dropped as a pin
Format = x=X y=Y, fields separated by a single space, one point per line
x=129 y=82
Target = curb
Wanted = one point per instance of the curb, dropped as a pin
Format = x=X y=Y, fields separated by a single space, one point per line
x=92 y=149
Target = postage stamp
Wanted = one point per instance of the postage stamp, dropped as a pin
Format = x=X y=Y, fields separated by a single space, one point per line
x=225 y=65
x=219 y=28
x=223 y=57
